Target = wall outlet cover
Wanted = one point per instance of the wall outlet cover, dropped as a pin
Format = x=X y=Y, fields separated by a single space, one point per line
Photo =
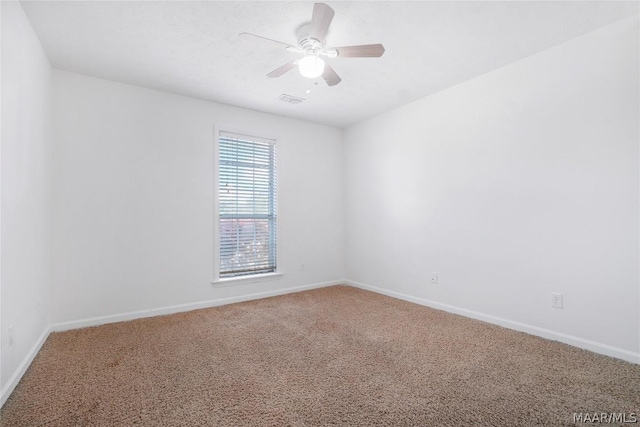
x=556 y=300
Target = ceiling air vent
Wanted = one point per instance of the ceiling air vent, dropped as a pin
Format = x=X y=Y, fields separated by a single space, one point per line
x=290 y=99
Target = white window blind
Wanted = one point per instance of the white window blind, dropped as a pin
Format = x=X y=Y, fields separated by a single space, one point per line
x=247 y=205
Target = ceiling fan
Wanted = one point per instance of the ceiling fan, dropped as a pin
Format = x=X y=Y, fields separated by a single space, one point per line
x=311 y=43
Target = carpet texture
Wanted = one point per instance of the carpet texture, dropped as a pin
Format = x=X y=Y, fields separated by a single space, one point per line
x=336 y=356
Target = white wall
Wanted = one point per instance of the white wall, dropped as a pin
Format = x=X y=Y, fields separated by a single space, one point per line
x=133 y=198
x=513 y=185
x=26 y=165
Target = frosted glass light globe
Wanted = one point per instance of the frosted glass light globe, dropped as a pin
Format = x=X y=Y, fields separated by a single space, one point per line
x=311 y=66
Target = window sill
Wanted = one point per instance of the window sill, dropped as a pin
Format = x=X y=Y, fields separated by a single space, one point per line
x=243 y=280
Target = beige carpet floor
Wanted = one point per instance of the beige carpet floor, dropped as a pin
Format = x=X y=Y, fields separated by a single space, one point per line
x=336 y=356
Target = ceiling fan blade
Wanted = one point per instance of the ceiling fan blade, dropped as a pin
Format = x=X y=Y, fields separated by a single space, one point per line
x=320 y=21
x=268 y=40
x=286 y=67
x=362 y=51
x=330 y=76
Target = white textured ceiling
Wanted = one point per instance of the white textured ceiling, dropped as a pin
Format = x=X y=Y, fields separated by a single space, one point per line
x=193 y=48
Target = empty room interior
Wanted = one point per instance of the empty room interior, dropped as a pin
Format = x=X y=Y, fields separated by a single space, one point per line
x=359 y=213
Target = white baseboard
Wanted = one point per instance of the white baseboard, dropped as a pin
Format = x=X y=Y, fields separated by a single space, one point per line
x=596 y=347
x=22 y=368
x=122 y=317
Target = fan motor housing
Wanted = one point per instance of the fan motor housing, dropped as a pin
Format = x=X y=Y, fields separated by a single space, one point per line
x=307 y=44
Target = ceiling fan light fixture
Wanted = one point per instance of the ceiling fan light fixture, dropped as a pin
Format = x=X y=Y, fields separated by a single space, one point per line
x=311 y=43
x=311 y=66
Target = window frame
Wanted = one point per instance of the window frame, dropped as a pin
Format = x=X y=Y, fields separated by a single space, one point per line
x=248 y=278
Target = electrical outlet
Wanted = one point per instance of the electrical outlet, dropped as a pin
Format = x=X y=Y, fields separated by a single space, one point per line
x=434 y=277
x=302 y=267
x=556 y=300
x=10 y=334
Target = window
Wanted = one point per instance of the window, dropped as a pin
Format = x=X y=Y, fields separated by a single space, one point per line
x=247 y=205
